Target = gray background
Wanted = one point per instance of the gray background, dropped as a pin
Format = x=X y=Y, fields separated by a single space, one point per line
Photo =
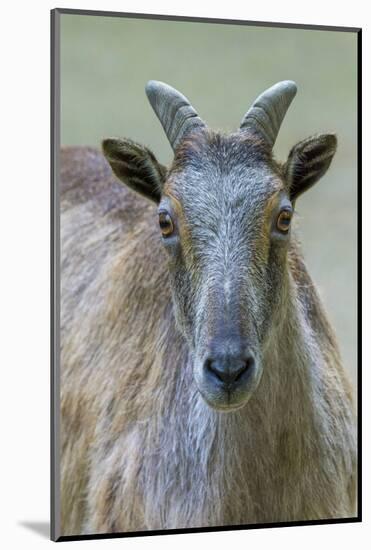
x=221 y=68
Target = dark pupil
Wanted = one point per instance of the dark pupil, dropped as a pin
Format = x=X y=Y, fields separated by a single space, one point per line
x=164 y=221
x=285 y=219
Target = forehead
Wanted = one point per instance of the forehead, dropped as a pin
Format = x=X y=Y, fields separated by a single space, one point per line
x=213 y=172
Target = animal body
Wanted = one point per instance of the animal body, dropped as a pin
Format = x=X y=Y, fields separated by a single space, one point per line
x=201 y=382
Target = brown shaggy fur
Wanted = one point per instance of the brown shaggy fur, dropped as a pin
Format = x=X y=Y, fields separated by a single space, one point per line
x=139 y=447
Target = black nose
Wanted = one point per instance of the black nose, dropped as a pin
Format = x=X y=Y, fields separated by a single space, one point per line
x=229 y=370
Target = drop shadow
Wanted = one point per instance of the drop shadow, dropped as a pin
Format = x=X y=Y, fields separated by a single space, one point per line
x=42 y=528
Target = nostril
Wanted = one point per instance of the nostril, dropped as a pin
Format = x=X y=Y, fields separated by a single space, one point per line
x=240 y=373
x=217 y=369
x=246 y=365
x=212 y=367
x=228 y=370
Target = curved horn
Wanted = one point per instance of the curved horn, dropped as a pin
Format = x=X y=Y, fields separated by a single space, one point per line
x=269 y=109
x=174 y=111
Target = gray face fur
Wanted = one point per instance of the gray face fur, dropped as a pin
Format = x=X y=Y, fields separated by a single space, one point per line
x=228 y=254
x=226 y=258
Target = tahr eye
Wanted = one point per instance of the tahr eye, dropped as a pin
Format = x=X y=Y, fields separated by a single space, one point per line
x=283 y=221
x=166 y=224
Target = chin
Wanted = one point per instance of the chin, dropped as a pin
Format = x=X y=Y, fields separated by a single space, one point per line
x=225 y=403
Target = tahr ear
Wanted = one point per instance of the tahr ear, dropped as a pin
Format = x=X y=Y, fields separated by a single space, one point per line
x=308 y=161
x=136 y=166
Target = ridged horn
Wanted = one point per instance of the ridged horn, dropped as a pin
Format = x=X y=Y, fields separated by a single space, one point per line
x=269 y=109
x=173 y=110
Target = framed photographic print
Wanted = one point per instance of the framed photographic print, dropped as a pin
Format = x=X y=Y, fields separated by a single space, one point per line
x=205 y=203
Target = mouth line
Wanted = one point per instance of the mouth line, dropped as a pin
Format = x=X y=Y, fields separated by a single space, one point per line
x=228 y=405
x=225 y=408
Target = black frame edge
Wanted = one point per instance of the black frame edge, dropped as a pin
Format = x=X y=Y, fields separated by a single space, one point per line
x=131 y=15
x=67 y=538
x=54 y=272
x=359 y=270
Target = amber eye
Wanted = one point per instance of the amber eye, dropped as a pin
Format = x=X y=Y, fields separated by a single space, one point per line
x=166 y=224
x=283 y=221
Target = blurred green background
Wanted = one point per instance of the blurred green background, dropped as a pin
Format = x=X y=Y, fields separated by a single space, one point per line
x=221 y=68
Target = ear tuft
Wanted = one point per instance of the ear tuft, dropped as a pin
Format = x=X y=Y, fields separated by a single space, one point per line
x=136 y=166
x=308 y=161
